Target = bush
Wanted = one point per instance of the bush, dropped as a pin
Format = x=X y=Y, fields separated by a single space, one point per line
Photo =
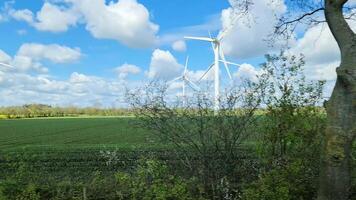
x=290 y=132
x=152 y=180
x=295 y=181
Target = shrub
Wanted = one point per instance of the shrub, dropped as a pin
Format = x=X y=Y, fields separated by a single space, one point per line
x=290 y=132
x=152 y=180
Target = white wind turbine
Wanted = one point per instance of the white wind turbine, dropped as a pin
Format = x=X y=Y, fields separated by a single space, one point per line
x=218 y=57
x=6 y=65
x=185 y=81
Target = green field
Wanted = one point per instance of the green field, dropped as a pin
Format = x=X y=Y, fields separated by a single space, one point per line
x=71 y=147
x=72 y=133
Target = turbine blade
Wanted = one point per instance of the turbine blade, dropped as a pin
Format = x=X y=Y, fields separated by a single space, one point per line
x=174 y=80
x=210 y=67
x=212 y=45
x=186 y=65
x=230 y=63
x=222 y=34
x=192 y=85
x=224 y=61
x=227 y=29
x=199 y=38
x=6 y=65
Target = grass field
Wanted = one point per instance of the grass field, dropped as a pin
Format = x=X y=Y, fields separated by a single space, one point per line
x=69 y=133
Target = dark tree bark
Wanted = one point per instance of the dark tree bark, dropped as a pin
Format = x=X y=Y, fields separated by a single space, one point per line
x=335 y=173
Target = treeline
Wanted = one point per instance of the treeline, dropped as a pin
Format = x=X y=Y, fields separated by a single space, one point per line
x=41 y=110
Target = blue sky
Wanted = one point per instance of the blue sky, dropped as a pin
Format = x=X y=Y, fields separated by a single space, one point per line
x=101 y=55
x=83 y=52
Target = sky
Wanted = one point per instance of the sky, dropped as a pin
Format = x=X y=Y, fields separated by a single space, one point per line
x=88 y=52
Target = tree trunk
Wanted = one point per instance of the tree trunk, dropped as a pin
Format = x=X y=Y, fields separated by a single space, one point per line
x=335 y=172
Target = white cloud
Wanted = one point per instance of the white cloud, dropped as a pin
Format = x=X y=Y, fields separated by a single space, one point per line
x=78 y=90
x=351 y=3
x=126 y=69
x=247 y=36
x=55 y=19
x=25 y=63
x=50 y=18
x=212 y=24
x=30 y=56
x=179 y=45
x=164 y=65
x=247 y=72
x=318 y=45
x=22 y=15
x=4 y=58
x=22 y=32
x=53 y=52
x=126 y=21
x=75 y=77
x=321 y=52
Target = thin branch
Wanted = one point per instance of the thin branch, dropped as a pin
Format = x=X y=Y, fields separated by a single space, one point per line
x=286 y=23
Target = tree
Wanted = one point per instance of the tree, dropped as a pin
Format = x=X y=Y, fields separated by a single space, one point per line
x=335 y=173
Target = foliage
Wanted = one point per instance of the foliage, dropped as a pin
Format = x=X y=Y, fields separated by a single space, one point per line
x=208 y=143
x=290 y=132
x=152 y=180
x=293 y=120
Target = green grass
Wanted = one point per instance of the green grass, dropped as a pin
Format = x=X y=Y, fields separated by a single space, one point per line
x=72 y=133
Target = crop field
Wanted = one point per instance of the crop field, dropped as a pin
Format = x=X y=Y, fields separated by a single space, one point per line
x=70 y=146
x=71 y=133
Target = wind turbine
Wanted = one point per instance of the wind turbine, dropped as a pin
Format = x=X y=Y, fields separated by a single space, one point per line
x=218 y=57
x=6 y=65
x=184 y=78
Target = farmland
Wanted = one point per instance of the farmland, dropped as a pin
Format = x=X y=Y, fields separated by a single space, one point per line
x=71 y=133
x=63 y=147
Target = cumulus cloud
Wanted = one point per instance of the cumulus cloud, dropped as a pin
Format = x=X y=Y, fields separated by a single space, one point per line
x=50 y=18
x=53 y=52
x=78 y=90
x=125 y=21
x=247 y=72
x=22 y=15
x=126 y=69
x=4 y=58
x=30 y=56
x=247 y=37
x=321 y=52
x=164 y=65
x=76 y=77
x=54 y=18
x=179 y=45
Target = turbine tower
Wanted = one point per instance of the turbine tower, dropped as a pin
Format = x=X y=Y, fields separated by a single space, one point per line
x=218 y=57
x=184 y=78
